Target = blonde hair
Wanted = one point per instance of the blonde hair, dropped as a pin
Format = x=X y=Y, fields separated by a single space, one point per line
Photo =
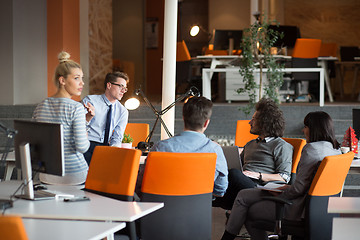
x=64 y=67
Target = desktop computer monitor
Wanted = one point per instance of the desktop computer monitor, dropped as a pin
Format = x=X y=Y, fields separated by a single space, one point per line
x=222 y=39
x=39 y=147
x=290 y=34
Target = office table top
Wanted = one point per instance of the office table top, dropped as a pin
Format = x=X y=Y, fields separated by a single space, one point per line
x=346 y=228
x=45 y=229
x=98 y=208
x=349 y=205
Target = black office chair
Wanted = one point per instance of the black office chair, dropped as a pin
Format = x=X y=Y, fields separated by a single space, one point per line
x=305 y=54
x=348 y=53
x=311 y=77
x=348 y=62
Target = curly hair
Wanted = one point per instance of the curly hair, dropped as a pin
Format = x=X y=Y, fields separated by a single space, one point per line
x=270 y=118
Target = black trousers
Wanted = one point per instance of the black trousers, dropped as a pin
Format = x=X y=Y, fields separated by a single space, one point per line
x=90 y=151
x=237 y=181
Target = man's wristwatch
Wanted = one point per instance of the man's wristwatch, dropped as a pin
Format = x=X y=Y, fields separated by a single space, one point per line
x=260 y=177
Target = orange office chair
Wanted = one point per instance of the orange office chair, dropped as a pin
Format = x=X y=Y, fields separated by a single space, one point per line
x=12 y=228
x=243 y=135
x=328 y=49
x=184 y=182
x=113 y=173
x=298 y=145
x=317 y=224
x=305 y=54
x=138 y=131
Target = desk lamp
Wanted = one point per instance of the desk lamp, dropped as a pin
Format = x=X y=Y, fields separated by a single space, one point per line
x=133 y=103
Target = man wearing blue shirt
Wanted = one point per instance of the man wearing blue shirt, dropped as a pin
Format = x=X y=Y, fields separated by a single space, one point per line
x=107 y=117
x=196 y=115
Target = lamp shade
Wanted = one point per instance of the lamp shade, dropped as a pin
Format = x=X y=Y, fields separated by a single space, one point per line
x=194 y=30
x=182 y=52
x=132 y=103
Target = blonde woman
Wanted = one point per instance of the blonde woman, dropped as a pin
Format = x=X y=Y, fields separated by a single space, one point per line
x=60 y=108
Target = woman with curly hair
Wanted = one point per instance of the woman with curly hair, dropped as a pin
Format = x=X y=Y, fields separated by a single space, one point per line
x=267 y=158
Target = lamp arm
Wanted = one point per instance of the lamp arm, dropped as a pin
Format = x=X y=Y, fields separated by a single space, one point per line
x=193 y=91
x=141 y=93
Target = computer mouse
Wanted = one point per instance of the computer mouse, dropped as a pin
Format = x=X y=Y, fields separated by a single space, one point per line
x=39 y=187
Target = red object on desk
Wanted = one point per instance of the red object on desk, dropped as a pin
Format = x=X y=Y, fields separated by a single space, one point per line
x=350 y=140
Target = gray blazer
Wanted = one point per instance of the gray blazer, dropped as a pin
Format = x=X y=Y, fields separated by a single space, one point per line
x=311 y=155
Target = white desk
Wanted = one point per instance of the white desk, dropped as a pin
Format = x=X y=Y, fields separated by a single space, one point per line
x=347 y=205
x=346 y=228
x=45 y=229
x=98 y=208
x=206 y=82
x=226 y=59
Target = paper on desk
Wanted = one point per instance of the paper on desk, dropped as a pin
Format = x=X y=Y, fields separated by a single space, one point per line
x=272 y=187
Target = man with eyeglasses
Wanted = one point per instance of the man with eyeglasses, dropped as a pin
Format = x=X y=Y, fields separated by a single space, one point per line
x=109 y=116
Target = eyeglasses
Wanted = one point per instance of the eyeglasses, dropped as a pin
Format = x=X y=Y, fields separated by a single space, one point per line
x=122 y=87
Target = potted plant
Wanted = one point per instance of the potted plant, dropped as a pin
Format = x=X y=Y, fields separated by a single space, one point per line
x=127 y=141
x=258 y=40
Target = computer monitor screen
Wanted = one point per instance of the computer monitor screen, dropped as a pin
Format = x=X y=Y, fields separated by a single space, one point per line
x=290 y=34
x=46 y=145
x=221 y=39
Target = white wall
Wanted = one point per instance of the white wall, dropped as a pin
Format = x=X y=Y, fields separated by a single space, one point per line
x=23 y=61
x=30 y=51
x=6 y=56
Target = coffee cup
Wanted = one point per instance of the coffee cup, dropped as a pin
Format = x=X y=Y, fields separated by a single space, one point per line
x=345 y=149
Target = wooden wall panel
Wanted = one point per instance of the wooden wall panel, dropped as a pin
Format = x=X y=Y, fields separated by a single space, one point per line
x=329 y=20
x=100 y=46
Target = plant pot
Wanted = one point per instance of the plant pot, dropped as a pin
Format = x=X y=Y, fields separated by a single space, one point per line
x=126 y=145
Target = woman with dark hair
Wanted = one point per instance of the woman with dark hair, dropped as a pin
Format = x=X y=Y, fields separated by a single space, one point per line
x=249 y=206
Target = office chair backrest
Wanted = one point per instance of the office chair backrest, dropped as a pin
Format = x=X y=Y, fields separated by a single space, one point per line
x=243 y=135
x=138 y=131
x=328 y=49
x=12 y=228
x=328 y=182
x=306 y=48
x=184 y=182
x=113 y=172
x=331 y=174
x=298 y=145
x=348 y=53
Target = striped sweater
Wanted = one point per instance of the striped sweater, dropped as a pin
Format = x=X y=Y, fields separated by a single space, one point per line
x=71 y=115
